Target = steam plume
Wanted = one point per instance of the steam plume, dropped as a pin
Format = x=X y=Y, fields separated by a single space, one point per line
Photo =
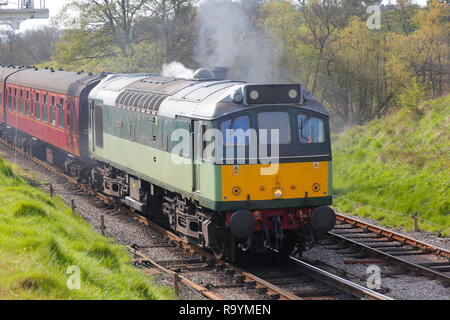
x=227 y=38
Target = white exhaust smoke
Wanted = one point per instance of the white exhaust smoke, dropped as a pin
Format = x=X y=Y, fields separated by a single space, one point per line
x=178 y=70
x=227 y=38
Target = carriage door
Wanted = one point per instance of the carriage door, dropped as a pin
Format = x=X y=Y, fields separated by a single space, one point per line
x=72 y=122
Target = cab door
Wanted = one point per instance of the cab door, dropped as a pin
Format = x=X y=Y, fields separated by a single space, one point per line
x=197 y=155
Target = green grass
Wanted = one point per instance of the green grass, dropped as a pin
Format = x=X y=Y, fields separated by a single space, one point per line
x=40 y=238
x=400 y=163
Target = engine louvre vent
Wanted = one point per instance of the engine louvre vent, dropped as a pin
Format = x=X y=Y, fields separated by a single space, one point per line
x=140 y=101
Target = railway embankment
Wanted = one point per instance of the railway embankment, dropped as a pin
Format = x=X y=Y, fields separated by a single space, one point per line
x=396 y=170
x=49 y=252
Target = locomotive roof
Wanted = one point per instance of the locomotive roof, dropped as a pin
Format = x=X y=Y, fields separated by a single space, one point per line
x=62 y=82
x=172 y=97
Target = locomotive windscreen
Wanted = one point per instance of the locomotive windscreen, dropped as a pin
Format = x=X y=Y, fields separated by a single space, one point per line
x=273 y=94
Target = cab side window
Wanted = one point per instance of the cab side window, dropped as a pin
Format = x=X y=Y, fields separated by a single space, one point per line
x=235 y=130
x=311 y=129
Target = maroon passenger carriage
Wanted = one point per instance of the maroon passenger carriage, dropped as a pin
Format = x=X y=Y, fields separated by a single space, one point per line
x=46 y=111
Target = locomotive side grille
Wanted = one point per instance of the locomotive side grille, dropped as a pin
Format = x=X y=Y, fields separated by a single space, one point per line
x=140 y=101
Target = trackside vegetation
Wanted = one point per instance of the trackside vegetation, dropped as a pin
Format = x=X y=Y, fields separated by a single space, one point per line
x=41 y=238
x=400 y=163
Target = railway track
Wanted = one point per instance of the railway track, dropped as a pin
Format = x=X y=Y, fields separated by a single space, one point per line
x=242 y=278
x=374 y=241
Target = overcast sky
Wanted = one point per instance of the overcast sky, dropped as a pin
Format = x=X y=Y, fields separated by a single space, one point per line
x=55 y=5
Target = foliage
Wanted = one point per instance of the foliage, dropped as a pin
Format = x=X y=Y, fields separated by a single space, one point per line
x=40 y=238
x=28 y=48
x=412 y=95
x=399 y=163
x=139 y=36
x=360 y=73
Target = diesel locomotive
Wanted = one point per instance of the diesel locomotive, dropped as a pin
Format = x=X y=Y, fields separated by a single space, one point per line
x=231 y=166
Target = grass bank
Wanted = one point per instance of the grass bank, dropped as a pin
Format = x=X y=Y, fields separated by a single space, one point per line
x=41 y=239
x=400 y=163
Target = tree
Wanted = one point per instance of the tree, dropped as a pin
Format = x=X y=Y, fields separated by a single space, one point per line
x=122 y=30
x=28 y=48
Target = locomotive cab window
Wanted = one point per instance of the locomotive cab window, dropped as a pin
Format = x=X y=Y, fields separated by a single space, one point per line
x=280 y=121
x=311 y=130
x=235 y=130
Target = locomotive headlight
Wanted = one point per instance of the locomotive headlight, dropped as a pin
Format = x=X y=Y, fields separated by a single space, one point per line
x=278 y=194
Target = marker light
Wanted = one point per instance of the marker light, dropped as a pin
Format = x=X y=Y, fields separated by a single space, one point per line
x=254 y=94
x=293 y=94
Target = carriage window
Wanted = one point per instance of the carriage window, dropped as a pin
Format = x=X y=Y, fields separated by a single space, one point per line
x=311 y=130
x=276 y=121
x=235 y=130
x=27 y=104
x=44 y=113
x=61 y=120
x=37 y=112
x=21 y=105
x=53 y=112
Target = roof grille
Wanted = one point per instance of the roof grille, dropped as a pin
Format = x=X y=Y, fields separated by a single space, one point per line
x=140 y=101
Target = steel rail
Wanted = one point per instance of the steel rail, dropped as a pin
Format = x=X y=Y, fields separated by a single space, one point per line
x=407 y=264
x=198 y=288
x=338 y=282
x=422 y=246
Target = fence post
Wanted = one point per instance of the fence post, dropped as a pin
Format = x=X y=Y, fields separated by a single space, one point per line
x=52 y=191
x=415 y=225
x=102 y=225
